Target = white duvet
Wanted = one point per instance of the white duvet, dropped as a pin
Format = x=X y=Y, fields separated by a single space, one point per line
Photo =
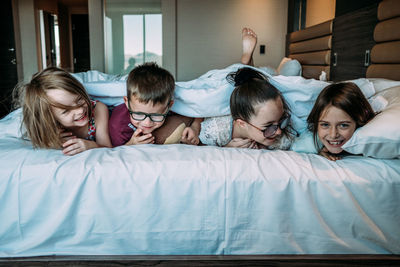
x=187 y=200
x=209 y=94
x=180 y=199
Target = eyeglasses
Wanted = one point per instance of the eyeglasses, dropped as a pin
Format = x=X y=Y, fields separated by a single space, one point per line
x=154 y=117
x=271 y=129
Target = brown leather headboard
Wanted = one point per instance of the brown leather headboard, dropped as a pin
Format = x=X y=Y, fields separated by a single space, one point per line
x=312 y=48
x=385 y=55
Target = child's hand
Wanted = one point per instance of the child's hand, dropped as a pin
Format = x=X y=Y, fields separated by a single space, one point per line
x=65 y=136
x=139 y=138
x=325 y=153
x=190 y=136
x=242 y=143
x=76 y=145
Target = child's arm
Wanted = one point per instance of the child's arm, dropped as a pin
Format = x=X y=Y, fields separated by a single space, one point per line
x=101 y=122
x=190 y=135
x=75 y=145
x=242 y=143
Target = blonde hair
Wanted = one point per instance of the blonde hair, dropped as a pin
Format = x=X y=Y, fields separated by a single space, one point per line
x=42 y=128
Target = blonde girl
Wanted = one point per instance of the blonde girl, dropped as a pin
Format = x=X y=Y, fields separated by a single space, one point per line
x=58 y=113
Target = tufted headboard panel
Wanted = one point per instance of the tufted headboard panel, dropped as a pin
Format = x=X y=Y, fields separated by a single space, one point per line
x=312 y=48
x=385 y=55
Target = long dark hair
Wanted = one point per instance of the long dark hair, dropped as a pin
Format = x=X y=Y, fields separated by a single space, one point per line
x=252 y=88
x=346 y=96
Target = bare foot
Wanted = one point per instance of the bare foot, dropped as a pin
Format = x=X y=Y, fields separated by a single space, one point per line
x=249 y=41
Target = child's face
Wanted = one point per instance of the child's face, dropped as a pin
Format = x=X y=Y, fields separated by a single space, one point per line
x=266 y=114
x=147 y=125
x=77 y=117
x=335 y=128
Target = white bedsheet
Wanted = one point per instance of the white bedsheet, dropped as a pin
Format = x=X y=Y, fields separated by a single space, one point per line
x=179 y=199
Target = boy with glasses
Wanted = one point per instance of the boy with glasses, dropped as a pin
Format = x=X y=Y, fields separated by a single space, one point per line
x=150 y=90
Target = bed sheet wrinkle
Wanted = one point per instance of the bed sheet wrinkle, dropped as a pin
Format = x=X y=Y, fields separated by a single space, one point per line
x=363 y=211
x=325 y=225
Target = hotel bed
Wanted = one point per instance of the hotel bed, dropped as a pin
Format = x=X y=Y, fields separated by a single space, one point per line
x=159 y=200
x=186 y=200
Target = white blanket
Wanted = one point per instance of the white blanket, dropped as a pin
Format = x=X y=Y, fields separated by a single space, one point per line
x=209 y=95
x=185 y=200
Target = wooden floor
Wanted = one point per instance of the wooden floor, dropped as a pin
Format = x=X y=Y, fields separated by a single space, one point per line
x=248 y=260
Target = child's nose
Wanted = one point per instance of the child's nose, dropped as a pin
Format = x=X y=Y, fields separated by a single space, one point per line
x=147 y=122
x=333 y=132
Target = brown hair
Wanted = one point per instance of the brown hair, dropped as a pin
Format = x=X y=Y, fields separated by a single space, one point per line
x=150 y=83
x=42 y=128
x=346 y=96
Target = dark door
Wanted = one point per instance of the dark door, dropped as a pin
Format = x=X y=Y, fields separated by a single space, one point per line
x=8 y=62
x=352 y=40
x=80 y=42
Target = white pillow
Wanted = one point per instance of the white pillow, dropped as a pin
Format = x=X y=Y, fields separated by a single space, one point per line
x=380 y=138
x=283 y=61
x=291 y=68
x=304 y=143
x=381 y=84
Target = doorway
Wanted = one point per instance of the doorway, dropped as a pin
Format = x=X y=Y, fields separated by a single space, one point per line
x=80 y=42
x=8 y=61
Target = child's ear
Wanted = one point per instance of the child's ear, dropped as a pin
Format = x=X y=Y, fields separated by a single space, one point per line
x=126 y=101
x=171 y=103
x=241 y=122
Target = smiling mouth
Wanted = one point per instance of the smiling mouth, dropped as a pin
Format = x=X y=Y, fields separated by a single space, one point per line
x=335 y=143
x=81 y=118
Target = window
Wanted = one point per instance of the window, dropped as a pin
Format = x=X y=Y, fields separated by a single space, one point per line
x=133 y=33
x=142 y=40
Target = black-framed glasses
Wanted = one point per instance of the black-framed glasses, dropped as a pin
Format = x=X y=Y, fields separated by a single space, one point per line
x=154 y=117
x=271 y=129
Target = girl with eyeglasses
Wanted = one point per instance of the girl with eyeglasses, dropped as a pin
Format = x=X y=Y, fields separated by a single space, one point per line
x=338 y=111
x=260 y=117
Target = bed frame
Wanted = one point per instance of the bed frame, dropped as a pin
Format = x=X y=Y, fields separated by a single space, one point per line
x=236 y=260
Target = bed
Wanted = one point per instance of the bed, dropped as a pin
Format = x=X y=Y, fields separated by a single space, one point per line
x=185 y=200
x=152 y=204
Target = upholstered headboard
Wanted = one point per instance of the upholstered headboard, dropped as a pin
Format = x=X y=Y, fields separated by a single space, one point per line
x=385 y=55
x=312 y=48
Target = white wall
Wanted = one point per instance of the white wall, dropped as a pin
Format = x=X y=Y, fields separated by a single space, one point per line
x=168 y=10
x=208 y=33
x=96 y=34
x=27 y=32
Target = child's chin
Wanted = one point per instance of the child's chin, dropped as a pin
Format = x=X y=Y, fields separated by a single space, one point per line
x=269 y=142
x=147 y=130
x=335 y=150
